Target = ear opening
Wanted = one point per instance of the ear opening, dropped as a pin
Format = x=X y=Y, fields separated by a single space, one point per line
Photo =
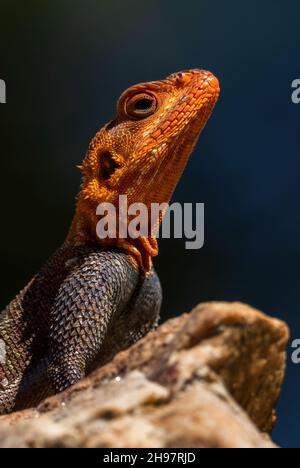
x=107 y=165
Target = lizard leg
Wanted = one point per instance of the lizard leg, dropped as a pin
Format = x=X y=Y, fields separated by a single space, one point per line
x=140 y=316
x=87 y=305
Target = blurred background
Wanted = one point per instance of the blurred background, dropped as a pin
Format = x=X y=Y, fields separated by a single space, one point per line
x=65 y=64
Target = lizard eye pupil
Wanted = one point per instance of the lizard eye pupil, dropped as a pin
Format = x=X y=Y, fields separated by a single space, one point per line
x=141 y=106
x=107 y=165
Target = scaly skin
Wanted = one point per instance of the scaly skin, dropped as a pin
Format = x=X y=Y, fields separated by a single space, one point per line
x=95 y=296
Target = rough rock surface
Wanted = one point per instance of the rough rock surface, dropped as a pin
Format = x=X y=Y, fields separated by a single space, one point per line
x=210 y=378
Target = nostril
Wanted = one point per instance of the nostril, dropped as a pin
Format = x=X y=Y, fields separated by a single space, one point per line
x=183 y=78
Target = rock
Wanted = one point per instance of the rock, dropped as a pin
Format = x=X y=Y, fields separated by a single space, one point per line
x=210 y=378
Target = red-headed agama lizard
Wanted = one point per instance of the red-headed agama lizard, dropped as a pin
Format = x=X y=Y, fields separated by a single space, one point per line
x=96 y=297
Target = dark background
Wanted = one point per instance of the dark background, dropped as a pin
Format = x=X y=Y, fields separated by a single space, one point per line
x=65 y=64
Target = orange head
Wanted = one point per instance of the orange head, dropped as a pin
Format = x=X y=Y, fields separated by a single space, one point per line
x=143 y=152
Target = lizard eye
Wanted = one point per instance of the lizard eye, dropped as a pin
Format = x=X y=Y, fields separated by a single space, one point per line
x=141 y=105
x=107 y=165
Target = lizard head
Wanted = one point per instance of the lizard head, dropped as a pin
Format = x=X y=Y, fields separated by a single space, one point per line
x=143 y=152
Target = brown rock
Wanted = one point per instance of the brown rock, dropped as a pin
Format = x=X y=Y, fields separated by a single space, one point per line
x=210 y=378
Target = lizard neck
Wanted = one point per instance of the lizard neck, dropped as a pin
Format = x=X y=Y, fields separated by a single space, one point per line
x=83 y=232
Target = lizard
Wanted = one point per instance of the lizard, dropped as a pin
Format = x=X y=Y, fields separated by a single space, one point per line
x=96 y=297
